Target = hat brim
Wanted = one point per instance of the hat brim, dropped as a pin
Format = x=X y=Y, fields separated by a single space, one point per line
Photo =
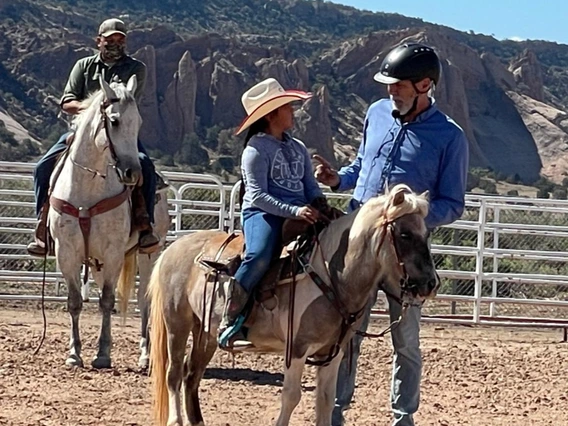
x=271 y=105
x=381 y=78
x=111 y=32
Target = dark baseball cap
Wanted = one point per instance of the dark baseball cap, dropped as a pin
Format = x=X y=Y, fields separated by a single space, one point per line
x=112 y=26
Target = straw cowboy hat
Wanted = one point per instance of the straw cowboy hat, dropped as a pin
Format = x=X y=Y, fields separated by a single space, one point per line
x=264 y=98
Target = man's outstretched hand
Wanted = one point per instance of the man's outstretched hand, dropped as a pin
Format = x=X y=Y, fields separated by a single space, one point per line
x=325 y=173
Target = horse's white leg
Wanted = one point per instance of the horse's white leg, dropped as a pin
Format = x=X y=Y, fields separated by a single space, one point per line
x=74 y=306
x=106 y=305
x=145 y=264
x=292 y=390
x=68 y=246
x=326 y=380
x=177 y=340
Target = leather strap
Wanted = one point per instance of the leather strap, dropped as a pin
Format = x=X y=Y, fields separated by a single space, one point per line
x=85 y=215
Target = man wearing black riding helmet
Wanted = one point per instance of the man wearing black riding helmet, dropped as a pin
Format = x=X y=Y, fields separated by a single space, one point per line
x=406 y=139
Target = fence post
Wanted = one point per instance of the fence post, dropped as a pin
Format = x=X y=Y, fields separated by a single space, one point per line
x=496 y=214
x=454 y=258
x=479 y=261
x=233 y=205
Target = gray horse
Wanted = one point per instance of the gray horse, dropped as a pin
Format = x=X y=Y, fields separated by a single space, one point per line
x=90 y=214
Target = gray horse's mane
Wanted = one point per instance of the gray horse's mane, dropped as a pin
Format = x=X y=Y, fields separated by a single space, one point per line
x=91 y=103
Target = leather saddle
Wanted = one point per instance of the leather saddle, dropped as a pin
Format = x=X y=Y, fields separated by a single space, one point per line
x=224 y=254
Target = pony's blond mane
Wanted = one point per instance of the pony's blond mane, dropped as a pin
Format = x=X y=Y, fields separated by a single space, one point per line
x=382 y=209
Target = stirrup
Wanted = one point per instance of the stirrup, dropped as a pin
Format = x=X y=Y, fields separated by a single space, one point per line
x=36 y=249
x=229 y=339
x=150 y=247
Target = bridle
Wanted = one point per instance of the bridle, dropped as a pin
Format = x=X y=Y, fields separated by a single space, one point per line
x=85 y=214
x=405 y=287
x=103 y=124
x=349 y=319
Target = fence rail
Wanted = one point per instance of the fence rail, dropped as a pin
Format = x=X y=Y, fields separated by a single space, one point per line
x=504 y=262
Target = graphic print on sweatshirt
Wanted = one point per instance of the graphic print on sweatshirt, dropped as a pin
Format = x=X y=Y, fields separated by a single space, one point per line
x=288 y=173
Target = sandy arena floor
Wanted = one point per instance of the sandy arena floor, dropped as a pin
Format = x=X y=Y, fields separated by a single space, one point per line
x=472 y=376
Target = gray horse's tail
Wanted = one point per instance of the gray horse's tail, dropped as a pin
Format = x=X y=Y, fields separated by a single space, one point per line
x=158 y=348
x=126 y=281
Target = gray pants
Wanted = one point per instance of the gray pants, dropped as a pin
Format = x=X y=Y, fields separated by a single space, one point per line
x=406 y=372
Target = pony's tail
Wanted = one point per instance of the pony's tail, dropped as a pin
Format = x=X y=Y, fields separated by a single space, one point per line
x=158 y=347
x=126 y=281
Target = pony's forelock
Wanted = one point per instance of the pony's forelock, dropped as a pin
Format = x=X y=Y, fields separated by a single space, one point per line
x=380 y=210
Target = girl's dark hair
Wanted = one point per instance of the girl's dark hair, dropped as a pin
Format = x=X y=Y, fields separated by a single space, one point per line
x=255 y=128
x=258 y=126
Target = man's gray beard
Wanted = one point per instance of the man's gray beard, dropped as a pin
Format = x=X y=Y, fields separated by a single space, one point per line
x=402 y=111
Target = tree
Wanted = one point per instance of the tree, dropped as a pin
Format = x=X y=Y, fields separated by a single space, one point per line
x=542 y=193
x=491 y=188
x=191 y=152
x=472 y=181
x=560 y=194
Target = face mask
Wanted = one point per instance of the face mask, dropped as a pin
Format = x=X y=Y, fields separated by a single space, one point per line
x=113 y=52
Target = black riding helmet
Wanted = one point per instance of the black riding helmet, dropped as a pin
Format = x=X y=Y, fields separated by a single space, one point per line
x=409 y=61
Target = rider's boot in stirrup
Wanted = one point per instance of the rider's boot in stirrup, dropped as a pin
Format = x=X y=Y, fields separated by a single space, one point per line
x=230 y=334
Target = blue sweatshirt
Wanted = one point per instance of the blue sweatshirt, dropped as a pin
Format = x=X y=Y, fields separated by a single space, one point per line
x=278 y=175
x=429 y=153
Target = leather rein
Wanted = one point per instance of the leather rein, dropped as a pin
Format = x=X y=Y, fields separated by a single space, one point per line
x=348 y=319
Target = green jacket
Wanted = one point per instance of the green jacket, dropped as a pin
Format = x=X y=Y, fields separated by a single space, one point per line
x=84 y=77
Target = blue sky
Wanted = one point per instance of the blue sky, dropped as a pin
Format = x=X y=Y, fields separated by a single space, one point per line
x=524 y=19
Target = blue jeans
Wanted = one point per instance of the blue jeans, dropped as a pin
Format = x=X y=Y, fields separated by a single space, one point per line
x=44 y=169
x=407 y=366
x=262 y=238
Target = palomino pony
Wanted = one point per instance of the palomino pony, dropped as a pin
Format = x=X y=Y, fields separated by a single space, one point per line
x=90 y=214
x=385 y=241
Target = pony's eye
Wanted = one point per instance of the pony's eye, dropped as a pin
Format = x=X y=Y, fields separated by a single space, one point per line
x=405 y=235
x=114 y=123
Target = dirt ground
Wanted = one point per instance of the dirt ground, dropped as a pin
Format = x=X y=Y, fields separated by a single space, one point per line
x=472 y=376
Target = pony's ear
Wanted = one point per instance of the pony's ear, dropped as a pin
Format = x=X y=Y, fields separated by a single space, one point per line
x=426 y=195
x=132 y=84
x=398 y=197
x=109 y=93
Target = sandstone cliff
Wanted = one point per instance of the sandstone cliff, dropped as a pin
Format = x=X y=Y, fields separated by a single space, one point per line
x=509 y=98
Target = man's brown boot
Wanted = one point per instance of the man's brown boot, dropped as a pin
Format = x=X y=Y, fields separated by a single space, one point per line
x=148 y=242
x=38 y=247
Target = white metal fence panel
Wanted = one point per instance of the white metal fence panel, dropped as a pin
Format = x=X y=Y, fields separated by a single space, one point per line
x=504 y=262
x=196 y=201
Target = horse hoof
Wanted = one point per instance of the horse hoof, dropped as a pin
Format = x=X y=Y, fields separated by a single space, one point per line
x=101 y=362
x=74 y=361
x=144 y=362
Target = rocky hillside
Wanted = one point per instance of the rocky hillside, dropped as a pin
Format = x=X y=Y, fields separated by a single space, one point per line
x=511 y=98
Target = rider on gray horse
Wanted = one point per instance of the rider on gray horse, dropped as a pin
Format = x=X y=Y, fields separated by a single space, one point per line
x=111 y=62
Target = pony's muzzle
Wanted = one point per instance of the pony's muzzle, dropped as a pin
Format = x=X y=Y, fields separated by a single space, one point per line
x=129 y=175
x=433 y=285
